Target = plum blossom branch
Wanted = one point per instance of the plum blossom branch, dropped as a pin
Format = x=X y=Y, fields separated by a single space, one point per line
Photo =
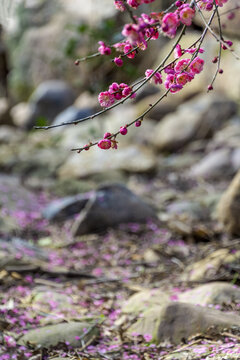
x=225 y=44
x=178 y=71
x=139 y=118
x=159 y=67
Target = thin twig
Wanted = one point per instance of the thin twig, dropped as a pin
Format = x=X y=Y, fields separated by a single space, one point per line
x=220 y=48
x=129 y=10
x=215 y=35
x=131 y=123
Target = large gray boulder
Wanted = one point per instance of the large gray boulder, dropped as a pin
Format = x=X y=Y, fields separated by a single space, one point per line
x=107 y=207
x=176 y=322
x=111 y=206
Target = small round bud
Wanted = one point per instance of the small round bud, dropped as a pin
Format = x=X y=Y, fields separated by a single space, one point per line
x=209 y=6
x=118 y=61
x=228 y=43
x=86 y=147
x=107 y=135
x=138 y=123
x=77 y=62
x=178 y=3
x=123 y=130
x=220 y=71
x=210 y=87
x=214 y=60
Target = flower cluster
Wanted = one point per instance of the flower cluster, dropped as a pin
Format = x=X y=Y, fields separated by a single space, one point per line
x=104 y=49
x=115 y=92
x=108 y=142
x=176 y=74
x=133 y=3
x=182 y=73
x=126 y=48
x=179 y=74
x=208 y=4
x=170 y=22
x=157 y=77
x=145 y=27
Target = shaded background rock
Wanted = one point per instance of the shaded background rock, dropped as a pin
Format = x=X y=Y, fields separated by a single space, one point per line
x=135 y=159
x=196 y=119
x=214 y=293
x=111 y=206
x=48 y=100
x=229 y=207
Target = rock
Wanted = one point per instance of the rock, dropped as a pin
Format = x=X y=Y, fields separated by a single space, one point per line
x=56 y=45
x=228 y=136
x=143 y=300
x=49 y=300
x=49 y=46
x=52 y=335
x=89 y=11
x=10 y=135
x=136 y=159
x=71 y=114
x=64 y=208
x=5 y=117
x=48 y=100
x=20 y=114
x=61 y=188
x=236 y=159
x=86 y=100
x=18 y=253
x=12 y=192
x=151 y=256
x=214 y=165
x=190 y=209
x=208 y=268
x=176 y=322
x=111 y=206
x=72 y=136
x=215 y=293
x=196 y=119
x=117 y=118
x=177 y=162
x=229 y=207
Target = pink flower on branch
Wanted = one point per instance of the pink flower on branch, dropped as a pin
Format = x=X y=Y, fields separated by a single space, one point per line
x=157 y=77
x=104 y=49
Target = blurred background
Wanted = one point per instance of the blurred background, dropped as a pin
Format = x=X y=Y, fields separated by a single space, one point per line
x=174 y=181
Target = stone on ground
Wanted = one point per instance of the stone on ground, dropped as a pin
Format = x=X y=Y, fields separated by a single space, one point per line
x=145 y=299
x=209 y=268
x=48 y=100
x=228 y=210
x=52 y=335
x=132 y=159
x=215 y=293
x=175 y=322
